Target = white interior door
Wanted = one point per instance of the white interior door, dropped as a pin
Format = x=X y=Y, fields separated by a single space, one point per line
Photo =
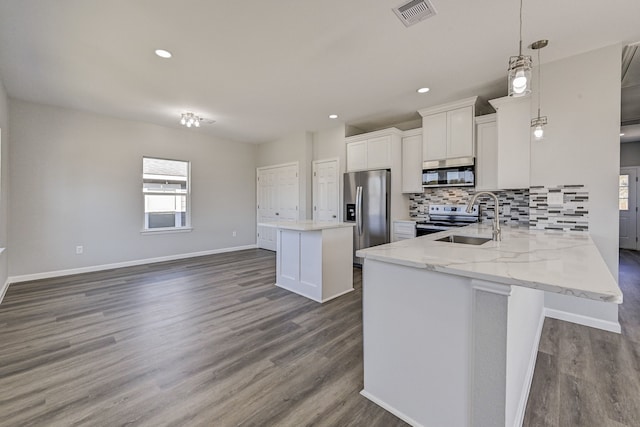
x=326 y=190
x=628 y=207
x=277 y=200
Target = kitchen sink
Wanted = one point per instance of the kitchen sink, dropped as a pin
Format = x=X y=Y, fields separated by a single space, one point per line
x=466 y=240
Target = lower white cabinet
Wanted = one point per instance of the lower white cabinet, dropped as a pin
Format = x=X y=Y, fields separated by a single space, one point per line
x=403 y=229
x=317 y=264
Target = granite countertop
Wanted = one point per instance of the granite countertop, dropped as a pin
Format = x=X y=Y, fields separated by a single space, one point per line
x=564 y=263
x=306 y=225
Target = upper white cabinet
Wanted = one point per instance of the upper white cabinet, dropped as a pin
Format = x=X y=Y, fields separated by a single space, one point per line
x=486 y=152
x=448 y=130
x=412 y=161
x=503 y=153
x=372 y=150
x=356 y=156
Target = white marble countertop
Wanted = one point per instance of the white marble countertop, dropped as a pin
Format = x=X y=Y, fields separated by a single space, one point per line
x=564 y=263
x=306 y=225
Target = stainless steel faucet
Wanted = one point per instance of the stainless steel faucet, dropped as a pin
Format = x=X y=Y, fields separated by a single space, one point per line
x=496 y=233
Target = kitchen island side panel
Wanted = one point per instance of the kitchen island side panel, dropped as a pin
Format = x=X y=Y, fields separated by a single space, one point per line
x=417 y=341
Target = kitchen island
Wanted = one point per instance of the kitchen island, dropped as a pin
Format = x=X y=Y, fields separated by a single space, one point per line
x=451 y=330
x=313 y=258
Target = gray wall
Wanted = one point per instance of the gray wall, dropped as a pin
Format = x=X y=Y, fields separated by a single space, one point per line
x=76 y=179
x=4 y=184
x=581 y=97
x=630 y=154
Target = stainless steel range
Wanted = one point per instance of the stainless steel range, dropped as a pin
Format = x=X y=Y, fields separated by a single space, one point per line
x=445 y=217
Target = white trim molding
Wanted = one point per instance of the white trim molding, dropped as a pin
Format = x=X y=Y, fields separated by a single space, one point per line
x=391 y=409
x=491 y=287
x=90 y=269
x=4 y=289
x=592 y=322
x=526 y=389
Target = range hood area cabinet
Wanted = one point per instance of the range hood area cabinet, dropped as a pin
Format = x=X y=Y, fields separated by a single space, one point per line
x=503 y=145
x=374 y=150
x=448 y=130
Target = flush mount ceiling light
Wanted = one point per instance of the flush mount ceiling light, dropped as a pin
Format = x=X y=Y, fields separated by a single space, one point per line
x=520 y=70
x=163 y=53
x=423 y=90
x=333 y=116
x=622 y=134
x=539 y=122
x=190 y=119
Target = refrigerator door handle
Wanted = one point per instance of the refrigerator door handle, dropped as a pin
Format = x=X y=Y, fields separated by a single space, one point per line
x=359 y=210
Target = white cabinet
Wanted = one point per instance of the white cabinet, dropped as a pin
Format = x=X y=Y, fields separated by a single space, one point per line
x=403 y=230
x=510 y=150
x=315 y=262
x=448 y=130
x=356 y=156
x=379 y=152
x=373 y=150
x=486 y=152
x=412 y=161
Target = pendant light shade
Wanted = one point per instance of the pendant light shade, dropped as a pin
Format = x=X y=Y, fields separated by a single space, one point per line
x=519 y=75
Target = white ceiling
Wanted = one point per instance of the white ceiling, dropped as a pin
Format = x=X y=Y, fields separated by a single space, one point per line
x=264 y=69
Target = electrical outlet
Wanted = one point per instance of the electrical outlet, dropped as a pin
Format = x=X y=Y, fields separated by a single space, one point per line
x=234 y=233
x=79 y=250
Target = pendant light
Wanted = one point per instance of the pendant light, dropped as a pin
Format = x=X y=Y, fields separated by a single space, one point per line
x=520 y=70
x=539 y=122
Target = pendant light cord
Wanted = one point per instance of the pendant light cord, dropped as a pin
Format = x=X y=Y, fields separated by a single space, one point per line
x=520 y=48
x=539 y=82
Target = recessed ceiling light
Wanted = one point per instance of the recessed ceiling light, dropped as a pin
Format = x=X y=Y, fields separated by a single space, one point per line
x=622 y=134
x=423 y=90
x=163 y=53
x=333 y=116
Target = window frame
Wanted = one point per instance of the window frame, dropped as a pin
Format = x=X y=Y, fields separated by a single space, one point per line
x=619 y=188
x=163 y=230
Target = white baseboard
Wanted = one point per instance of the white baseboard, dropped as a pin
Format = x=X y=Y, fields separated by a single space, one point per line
x=391 y=409
x=4 y=289
x=605 y=325
x=58 y=273
x=526 y=388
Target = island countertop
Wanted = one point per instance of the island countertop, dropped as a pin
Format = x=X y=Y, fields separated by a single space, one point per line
x=306 y=225
x=564 y=263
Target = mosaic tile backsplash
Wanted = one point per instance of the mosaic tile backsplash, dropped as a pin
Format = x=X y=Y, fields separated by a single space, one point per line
x=514 y=204
x=565 y=207
x=562 y=208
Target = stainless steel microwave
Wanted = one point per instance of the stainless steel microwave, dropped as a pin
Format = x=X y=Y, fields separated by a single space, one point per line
x=441 y=174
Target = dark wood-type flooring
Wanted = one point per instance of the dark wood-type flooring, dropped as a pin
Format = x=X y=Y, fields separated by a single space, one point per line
x=589 y=377
x=210 y=341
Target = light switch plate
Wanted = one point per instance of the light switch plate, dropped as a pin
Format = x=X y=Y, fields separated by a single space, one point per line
x=555 y=199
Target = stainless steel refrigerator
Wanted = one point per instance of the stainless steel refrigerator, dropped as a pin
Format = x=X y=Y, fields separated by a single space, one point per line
x=367 y=203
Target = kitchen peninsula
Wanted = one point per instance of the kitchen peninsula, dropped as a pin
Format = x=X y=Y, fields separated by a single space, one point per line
x=314 y=258
x=451 y=330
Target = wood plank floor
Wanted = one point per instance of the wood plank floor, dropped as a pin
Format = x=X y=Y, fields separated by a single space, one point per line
x=211 y=341
x=588 y=377
x=206 y=341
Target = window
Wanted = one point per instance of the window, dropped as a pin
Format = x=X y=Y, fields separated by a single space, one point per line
x=166 y=193
x=623 y=193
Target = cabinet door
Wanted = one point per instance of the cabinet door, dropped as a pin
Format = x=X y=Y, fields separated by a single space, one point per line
x=379 y=153
x=434 y=137
x=487 y=156
x=412 y=164
x=356 y=156
x=460 y=133
x=513 y=143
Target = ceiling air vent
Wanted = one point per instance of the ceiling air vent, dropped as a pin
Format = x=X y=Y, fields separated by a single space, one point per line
x=414 y=11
